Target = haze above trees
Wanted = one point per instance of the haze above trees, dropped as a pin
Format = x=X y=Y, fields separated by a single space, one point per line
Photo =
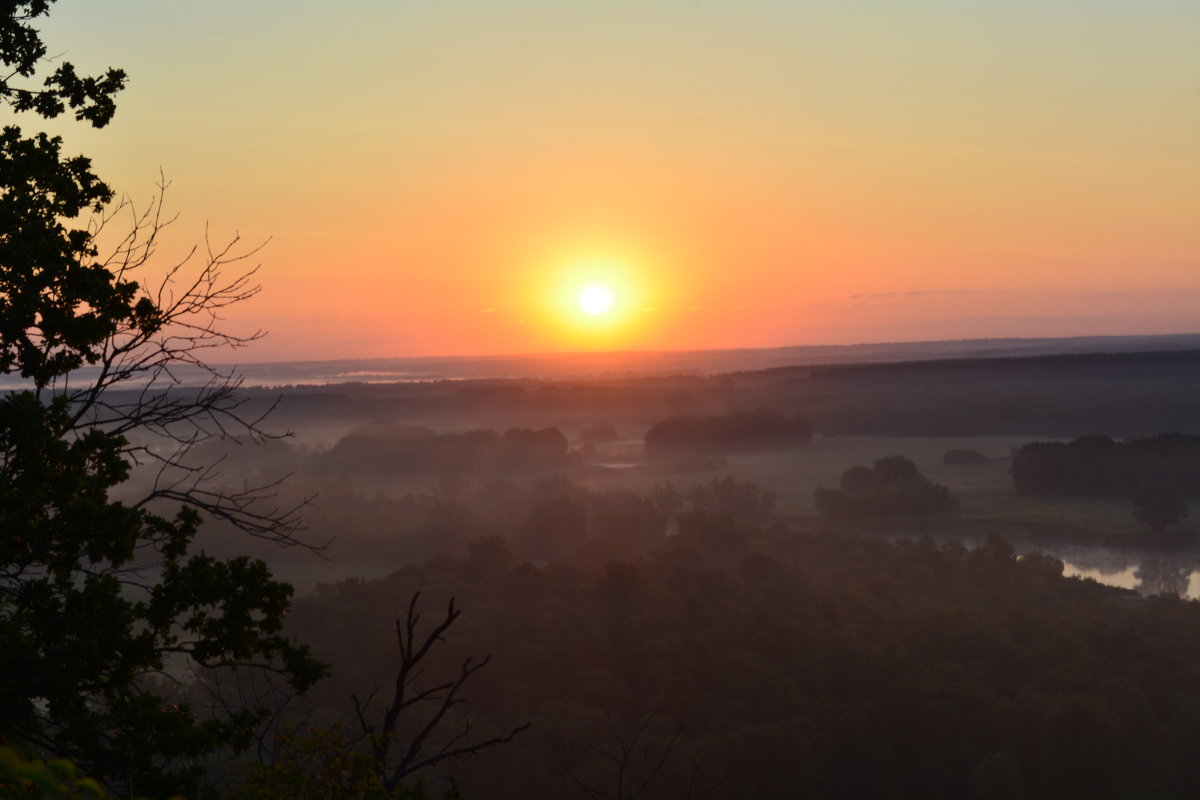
x=627 y=555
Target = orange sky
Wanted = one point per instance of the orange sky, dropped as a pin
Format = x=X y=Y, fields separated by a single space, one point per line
x=444 y=177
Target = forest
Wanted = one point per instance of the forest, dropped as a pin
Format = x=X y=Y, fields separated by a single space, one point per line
x=736 y=661
x=666 y=627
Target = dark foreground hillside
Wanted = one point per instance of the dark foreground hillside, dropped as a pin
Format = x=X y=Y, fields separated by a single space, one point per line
x=735 y=661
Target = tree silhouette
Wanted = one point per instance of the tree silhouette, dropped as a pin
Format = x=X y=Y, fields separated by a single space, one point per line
x=82 y=622
x=427 y=703
x=1159 y=504
x=624 y=760
x=893 y=485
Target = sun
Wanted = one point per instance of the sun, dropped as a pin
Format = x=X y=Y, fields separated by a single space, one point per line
x=595 y=300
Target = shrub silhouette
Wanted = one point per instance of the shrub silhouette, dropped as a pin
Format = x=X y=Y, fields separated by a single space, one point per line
x=892 y=486
x=1159 y=504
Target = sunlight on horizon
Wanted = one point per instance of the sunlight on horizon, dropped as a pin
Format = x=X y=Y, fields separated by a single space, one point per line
x=762 y=174
x=596 y=300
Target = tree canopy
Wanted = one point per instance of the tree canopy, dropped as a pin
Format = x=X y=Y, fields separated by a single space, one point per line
x=893 y=485
x=102 y=605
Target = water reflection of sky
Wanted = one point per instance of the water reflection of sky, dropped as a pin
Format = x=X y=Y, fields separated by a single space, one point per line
x=1125 y=578
x=1146 y=571
x=1159 y=571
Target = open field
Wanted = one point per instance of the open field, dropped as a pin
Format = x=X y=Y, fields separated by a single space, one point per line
x=984 y=491
x=987 y=500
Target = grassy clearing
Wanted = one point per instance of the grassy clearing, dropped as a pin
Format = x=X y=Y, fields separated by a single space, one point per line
x=984 y=490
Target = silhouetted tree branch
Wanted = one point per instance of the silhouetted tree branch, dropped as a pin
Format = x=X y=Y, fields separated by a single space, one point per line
x=630 y=764
x=423 y=749
x=134 y=383
x=96 y=347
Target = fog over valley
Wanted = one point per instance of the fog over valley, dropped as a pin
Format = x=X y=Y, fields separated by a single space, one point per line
x=541 y=400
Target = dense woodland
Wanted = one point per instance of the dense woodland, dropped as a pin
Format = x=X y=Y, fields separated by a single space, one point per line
x=1101 y=466
x=734 y=660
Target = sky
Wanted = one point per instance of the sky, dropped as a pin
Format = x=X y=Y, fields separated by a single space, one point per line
x=446 y=178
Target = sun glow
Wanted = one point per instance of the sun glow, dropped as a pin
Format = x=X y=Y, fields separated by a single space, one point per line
x=595 y=300
x=597 y=292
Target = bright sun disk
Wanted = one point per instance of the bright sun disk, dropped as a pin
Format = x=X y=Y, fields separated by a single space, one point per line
x=595 y=300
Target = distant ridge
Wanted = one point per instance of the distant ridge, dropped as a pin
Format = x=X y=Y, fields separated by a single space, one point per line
x=694 y=362
x=677 y=362
x=1083 y=357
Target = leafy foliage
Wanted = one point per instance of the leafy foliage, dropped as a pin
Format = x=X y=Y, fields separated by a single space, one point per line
x=322 y=764
x=30 y=779
x=83 y=629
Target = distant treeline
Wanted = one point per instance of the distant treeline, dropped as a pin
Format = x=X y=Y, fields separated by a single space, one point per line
x=412 y=449
x=729 y=433
x=1099 y=466
x=1122 y=395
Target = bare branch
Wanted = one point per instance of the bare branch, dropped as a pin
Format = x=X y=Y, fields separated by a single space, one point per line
x=420 y=751
x=134 y=382
x=633 y=760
